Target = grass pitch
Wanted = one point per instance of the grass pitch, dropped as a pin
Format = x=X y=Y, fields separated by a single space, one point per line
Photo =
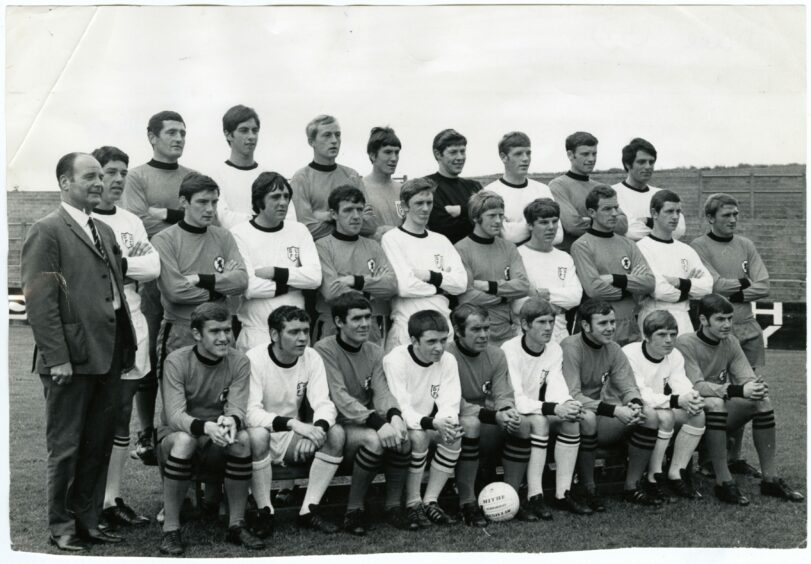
x=766 y=523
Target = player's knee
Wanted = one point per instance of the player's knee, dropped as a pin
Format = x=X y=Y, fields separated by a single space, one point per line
x=241 y=446
x=538 y=424
x=371 y=442
x=697 y=420
x=336 y=438
x=403 y=448
x=183 y=445
x=259 y=439
x=764 y=405
x=588 y=424
x=419 y=440
x=471 y=426
x=667 y=420
x=714 y=404
x=570 y=428
x=651 y=417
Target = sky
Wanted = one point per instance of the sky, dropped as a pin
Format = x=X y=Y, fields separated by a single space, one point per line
x=707 y=85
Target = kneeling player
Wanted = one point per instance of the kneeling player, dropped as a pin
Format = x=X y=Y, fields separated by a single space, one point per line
x=543 y=400
x=368 y=412
x=599 y=377
x=733 y=395
x=205 y=393
x=283 y=372
x=660 y=376
x=425 y=380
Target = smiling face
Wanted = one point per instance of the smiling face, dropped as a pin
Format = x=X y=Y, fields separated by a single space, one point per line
x=601 y=328
x=452 y=160
x=327 y=142
x=244 y=138
x=214 y=339
x=489 y=223
x=419 y=207
x=583 y=159
x=356 y=329
x=83 y=189
x=641 y=169
x=167 y=146
x=202 y=209
x=349 y=217
x=113 y=175
x=718 y=326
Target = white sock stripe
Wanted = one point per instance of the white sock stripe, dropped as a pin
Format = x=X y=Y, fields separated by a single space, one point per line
x=695 y=431
x=447 y=452
x=260 y=464
x=664 y=434
x=336 y=460
x=568 y=440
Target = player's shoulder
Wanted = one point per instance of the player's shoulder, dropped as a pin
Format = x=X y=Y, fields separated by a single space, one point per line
x=350 y=172
x=326 y=345
x=512 y=345
x=259 y=353
x=393 y=359
x=633 y=349
x=181 y=355
x=237 y=358
x=537 y=185
x=571 y=343
x=687 y=339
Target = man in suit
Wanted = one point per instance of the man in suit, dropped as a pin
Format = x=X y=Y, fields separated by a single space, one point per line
x=72 y=275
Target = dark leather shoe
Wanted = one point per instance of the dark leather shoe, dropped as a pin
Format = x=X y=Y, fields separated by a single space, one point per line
x=124 y=515
x=68 y=543
x=240 y=535
x=96 y=536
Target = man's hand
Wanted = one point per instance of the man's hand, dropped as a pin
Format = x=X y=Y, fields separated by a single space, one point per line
x=140 y=249
x=448 y=429
x=626 y=415
x=347 y=281
x=216 y=433
x=323 y=215
x=314 y=433
x=584 y=223
x=229 y=426
x=542 y=293
x=672 y=280
x=508 y=419
x=570 y=410
x=62 y=374
x=755 y=390
x=482 y=285
x=400 y=427
x=305 y=449
x=193 y=279
x=692 y=402
x=157 y=213
x=695 y=272
x=607 y=278
x=388 y=436
x=420 y=274
x=368 y=210
x=454 y=211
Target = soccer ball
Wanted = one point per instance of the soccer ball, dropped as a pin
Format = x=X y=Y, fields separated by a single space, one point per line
x=499 y=501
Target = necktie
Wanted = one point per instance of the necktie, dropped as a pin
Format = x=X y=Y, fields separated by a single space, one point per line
x=96 y=239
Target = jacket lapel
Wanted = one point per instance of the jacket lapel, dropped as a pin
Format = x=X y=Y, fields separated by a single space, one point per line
x=78 y=230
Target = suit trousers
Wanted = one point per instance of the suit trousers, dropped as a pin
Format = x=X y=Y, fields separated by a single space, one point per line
x=79 y=430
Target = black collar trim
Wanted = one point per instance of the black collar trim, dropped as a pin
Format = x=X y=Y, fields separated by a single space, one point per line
x=481 y=240
x=422 y=235
x=191 y=228
x=346 y=346
x=640 y=190
x=524 y=184
x=104 y=212
x=718 y=238
x=278 y=362
x=342 y=237
x=163 y=166
x=603 y=234
x=205 y=360
x=249 y=167
x=658 y=240
x=527 y=349
x=591 y=343
x=323 y=168
x=575 y=176
x=267 y=229
x=415 y=359
x=649 y=357
x=464 y=350
x=706 y=339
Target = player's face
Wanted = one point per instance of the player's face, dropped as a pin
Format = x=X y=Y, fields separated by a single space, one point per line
x=355 y=330
x=540 y=330
x=430 y=346
x=452 y=160
x=476 y=334
x=293 y=339
x=113 y=175
x=276 y=203
x=516 y=162
x=668 y=217
x=641 y=169
x=244 y=138
x=718 y=326
x=169 y=143
x=327 y=141
x=661 y=343
x=601 y=328
x=583 y=159
x=419 y=208
x=545 y=228
x=214 y=339
x=386 y=159
x=202 y=209
x=490 y=222
x=605 y=216
x=348 y=218
x=725 y=221
x=83 y=190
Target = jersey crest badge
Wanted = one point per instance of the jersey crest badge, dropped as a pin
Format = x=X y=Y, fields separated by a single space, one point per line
x=367 y=384
x=626 y=263
x=223 y=396
x=293 y=254
x=219 y=264
x=438 y=261
x=487 y=388
x=301 y=389
x=544 y=374
x=435 y=391
x=562 y=270
x=745 y=266
x=606 y=375
x=127 y=239
x=684 y=265
x=507 y=273
x=398 y=205
x=371 y=265
x=722 y=377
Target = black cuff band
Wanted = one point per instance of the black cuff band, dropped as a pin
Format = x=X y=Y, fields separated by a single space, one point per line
x=649 y=222
x=684 y=287
x=374 y=421
x=238 y=421
x=487 y=416
x=737 y=297
x=492 y=287
x=745 y=283
x=280 y=275
x=358 y=284
x=605 y=409
x=637 y=401
x=206 y=282
x=391 y=413
x=427 y=423
x=174 y=216
x=124 y=266
x=548 y=408
x=435 y=278
x=674 y=401
x=323 y=424
x=280 y=424
x=620 y=281
x=735 y=391
x=198 y=427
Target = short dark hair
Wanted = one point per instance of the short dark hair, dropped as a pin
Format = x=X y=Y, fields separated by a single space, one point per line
x=209 y=311
x=426 y=320
x=381 y=137
x=447 y=138
x=579 y=138
x=108 y=153
x=194 y=183
x=657 y=201
x=481 y=202
x=541 y=208
x=717 y=201
x=65 y=165
x=236 y=115
x=264 y=184
x=659 y=319
x=349 y=300
x=534 y=308
x=511 y=140
x=461 y=313
x=155 y=125
x=411 y=188
x=345 y=193
x=714 y=303
x=630 y=150
x=599 y=192
x=283 y=314
x=592 y=307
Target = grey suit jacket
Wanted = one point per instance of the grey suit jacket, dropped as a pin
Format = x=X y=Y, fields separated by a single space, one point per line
x=69 y=299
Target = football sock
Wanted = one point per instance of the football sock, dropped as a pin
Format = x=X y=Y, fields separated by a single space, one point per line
x=322 y=471
x=466 y=470
x=414 y=479
x=367 y=465
x=442 y=467
x=686 y=442
x=566 y=447
x=237 y=480
x=734 y=442
x=585 y=460
x=537 y=461
x=640 y=446
x=657 y=457
x=118 y=456
x=177 y=475
x=145 y=399
x=396 y=469
x=764 y=437
x=515 y=458
x=715 y=440
x=261 y=481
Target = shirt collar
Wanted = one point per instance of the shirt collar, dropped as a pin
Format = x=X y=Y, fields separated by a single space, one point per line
x=79 y=216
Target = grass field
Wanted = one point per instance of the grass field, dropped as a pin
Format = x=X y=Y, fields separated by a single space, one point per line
x=766 y=523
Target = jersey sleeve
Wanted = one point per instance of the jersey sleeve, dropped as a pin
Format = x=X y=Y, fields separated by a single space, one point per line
x=345 y=403
x=474 y=295
x=235 y=281
x=237 y=402
x=382 y=283
x=145 y=267
x=258 y=415
x=523 y=402
x=454 y=277
x=172 y=283
x=173 y=394
x=408 y=285
x=696 y=375
x=395 y=378
x=571 y=374
x=518 y=284
x=758 y=276
x=304 y=209
x=679 y=382
x=724 y=286
x=450 y=390
x=502 y=388
x=556 y=389
x=702 y=285
x=257 y=287
x=640 y=283
x=570 y=294
x=384 y=401
x=228 y=218
x=571 y=220
x=318 y=392
x=623 y=378
x=589 y=276
x=308 y=275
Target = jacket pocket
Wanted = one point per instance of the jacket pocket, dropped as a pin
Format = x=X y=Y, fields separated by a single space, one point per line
x=76 y=341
